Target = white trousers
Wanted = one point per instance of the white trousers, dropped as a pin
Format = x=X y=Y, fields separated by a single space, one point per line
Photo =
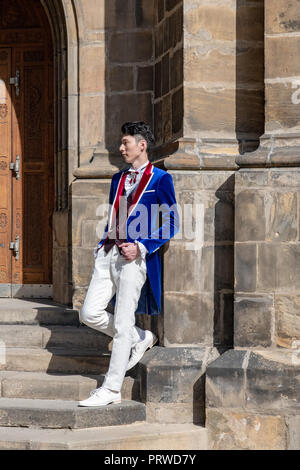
x=114 y=275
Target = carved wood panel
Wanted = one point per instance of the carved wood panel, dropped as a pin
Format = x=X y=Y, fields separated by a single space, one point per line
x=26 y=204
x=5 y=151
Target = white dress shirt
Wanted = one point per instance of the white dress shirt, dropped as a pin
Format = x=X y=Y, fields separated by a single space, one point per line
x=131 y=186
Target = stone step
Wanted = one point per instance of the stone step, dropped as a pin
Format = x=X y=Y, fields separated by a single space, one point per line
x=37 y=311
x=53 y=336
x=22 y=412
x=67 y=361
x=141 y=436
x=43 y=386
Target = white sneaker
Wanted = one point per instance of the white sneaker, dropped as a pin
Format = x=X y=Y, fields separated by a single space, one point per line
x=100 y=397
x=140 y=348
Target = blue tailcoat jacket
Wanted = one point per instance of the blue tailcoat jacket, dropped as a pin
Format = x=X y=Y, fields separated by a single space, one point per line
x=152 y=220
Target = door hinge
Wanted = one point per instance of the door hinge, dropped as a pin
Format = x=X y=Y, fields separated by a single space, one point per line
x=16 y=167
x=15 y=246
x=16 y=81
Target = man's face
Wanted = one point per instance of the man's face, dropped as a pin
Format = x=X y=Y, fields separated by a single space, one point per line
x=130 y=148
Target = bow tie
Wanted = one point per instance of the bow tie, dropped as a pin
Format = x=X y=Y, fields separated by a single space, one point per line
x=133 y=174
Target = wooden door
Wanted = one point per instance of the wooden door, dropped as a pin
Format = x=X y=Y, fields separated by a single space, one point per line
x=26 y=143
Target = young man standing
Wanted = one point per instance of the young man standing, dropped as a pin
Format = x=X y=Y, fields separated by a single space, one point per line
x=127 y=260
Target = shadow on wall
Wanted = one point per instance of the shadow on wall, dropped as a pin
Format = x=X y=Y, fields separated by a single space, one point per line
x=128 y=69
x=249 y=128
x=144 y=70
x=250 y=116
x=224 y=266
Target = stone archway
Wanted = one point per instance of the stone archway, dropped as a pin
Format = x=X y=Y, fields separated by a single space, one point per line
x=63 y=22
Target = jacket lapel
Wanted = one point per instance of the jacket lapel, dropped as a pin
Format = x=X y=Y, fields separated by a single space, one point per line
x=145 y=180
x=116 y=202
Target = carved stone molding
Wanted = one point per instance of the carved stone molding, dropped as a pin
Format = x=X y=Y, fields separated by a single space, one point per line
x=103 y=165
x=274 y=151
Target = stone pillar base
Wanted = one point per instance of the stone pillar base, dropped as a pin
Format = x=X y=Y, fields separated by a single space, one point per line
x=173 y=384
x=252 y=400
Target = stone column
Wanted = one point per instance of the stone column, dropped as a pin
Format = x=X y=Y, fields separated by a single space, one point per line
x=252 y=395
x=216 y=108
x=115 y=85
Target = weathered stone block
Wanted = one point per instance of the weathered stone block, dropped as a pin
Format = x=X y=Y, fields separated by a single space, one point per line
x=159 y=40
x=250 y=216
x=60 y=223
x=217 y=66
x=272 y=385
x=281 y=56
x=223 y=267
x=166 y=118
x=237 y=430
x=123 y=108
x=245 y=267
x=278 y=266
x=175 y=412
x=225 y=379
x=216 y=111
x=177 y=111
x=62 y=287
x=92 y=69
x=282 y=220
x=121 y=78
x=83 y=261
x=91 y=114
x=177 y=68
x=119 y=14
x=293 y=425
x=187 y=179
x=158 y=122
x=170 y=4
x=89 y=233
x=250 y=178
x=250 y=21
x=175 y=30
x=145 y=13
x=99 y=189
x=131 y=47
x=287 y=320
x=282 y=17
x=214 y=22
x=177 y=370
x=160 y=10
x=284 y=177
x=165 y=74
x=253 y=320
x=157 y=80
x=81 y=211
x=197 y=309
x=223 y=319
x=282 y=112
x=94 y=14
x=224 y=217
x=145 y=78
x=196 y=262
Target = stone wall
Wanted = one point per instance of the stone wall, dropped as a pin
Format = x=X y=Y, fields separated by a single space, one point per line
x=267 y=253
x=129 y=39
x=168 y=84
x=252 y=390
x=211 y=77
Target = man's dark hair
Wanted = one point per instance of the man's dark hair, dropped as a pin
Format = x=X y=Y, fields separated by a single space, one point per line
x=139 y=128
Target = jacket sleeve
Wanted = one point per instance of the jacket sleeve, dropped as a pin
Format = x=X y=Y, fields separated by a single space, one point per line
x=170 y=222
